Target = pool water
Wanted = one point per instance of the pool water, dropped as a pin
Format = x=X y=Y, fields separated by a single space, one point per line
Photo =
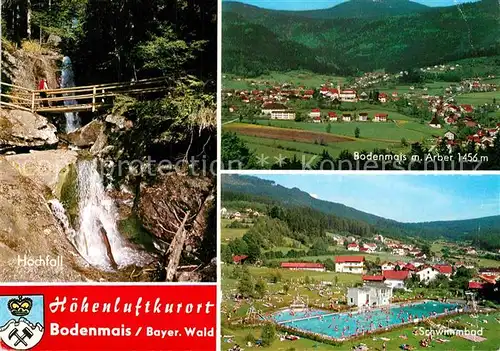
x=343 y=325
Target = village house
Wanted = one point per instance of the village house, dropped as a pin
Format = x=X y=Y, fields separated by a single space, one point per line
x=434 y=123
x=444 y=269
x=395 y=96
x=235 y=215
x=395 y=279
x=349 y=264
x=471 y=251
x=370 y=295
x=288 y=114
x=346 y=117
x=373 y=278
x=308 y=94
x=353 y=247
x=338 y=239
x=348 y=95
x=268 y=108
x=382 y=97
x=304 y=266
x=363 y=96
x=317 y=120
x=332 y=117
x=399 y=251
x=427 y=273
x=370 y=247
x=388 y=266
x=380 y=238
x=450 y=135
x=363 y=117
x=315 y=112
x=380 y=117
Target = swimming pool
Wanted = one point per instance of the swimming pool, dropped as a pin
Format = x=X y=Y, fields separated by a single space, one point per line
x=344 y=325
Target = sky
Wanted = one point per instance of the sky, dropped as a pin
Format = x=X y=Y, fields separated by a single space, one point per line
x=297 y=5
x=405 y=198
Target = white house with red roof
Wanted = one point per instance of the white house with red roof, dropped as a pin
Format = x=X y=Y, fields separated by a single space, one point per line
x=349 y=264
x=317 y=119
x=395 y=279
x=332 y=117
x=348 y=95
x=380 y=117
x=305 y=266
x=427 y=273
x=268 y=108
x=371 y=247
x=383 y=98
x=444 y=269
x=466 y=108
x=353 y=247
x=315 y=112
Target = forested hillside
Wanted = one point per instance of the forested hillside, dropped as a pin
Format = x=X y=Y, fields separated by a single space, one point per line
x=299 y=207
x=344 y=45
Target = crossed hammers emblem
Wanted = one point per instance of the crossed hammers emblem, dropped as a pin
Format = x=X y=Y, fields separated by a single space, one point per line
x=26 y=333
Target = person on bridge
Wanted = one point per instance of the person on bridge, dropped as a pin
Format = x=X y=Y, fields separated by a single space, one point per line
x=43 y=86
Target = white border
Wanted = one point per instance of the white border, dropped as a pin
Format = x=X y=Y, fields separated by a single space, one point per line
x=219 y=174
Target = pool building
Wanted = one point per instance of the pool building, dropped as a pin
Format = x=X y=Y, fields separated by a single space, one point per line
x=369 y=295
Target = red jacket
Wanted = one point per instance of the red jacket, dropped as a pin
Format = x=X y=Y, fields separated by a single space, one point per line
x=42 y=85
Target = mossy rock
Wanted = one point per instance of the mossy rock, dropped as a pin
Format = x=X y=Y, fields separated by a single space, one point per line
x=67 y=190
x=132 y=229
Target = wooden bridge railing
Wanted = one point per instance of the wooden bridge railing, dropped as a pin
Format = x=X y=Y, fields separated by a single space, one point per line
x=82 y=98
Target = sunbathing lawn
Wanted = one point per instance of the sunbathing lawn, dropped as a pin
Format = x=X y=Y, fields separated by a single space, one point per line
x=491 y=333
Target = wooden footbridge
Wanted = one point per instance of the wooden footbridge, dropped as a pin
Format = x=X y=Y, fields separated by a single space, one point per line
x=83 y=98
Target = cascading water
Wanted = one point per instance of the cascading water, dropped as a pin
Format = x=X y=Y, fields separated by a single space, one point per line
x=98 y=214
x=68 y=81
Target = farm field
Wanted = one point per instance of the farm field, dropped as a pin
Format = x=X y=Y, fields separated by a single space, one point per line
x=296 y=78
x=231 y=233
x=477 y=99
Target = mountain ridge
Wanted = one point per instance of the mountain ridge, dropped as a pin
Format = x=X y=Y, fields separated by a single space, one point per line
x=347 y=9
x=467 y=229
x=346 y=45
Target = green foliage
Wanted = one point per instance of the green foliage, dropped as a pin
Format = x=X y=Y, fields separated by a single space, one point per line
x=357 y=132
x=260 y=288
x=168 y=53
x=288 y=41
x=268 y=335
x=246 y=285
x=234 y=153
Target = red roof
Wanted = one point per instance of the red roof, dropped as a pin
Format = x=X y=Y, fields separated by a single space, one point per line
x=374 y=278
x=489 y=278
x=334 y=91
x=381 y=115
x=239 y=258
x=382 y=95
x=363 y=249
x=349 y=91
x=332 y=114
x=301 y=265
x=410 y=267
x=444 y=268
x=309 y=92
x=475 y=285
x=352 y=245
x=396 y=275
x=342 y=259
x=315 y=110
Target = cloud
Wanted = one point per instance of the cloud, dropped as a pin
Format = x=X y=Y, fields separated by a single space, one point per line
x=315 y=196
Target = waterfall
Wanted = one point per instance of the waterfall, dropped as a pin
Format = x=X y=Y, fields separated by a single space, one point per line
x=68 y=81
x=97 y=219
